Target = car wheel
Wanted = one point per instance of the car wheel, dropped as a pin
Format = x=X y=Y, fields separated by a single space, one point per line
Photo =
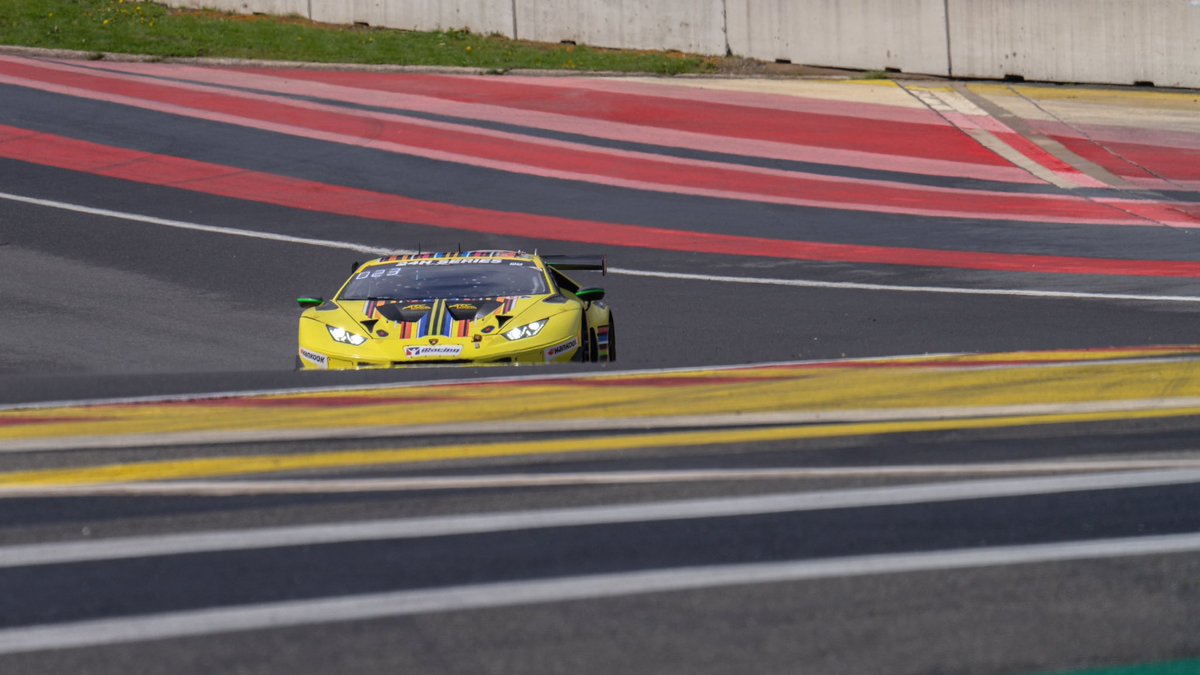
x=593 y=346
x=584 y=354
x=612 y=339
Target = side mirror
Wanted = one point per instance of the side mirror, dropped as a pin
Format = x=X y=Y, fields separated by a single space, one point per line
x=310 y=302
x=590 y=294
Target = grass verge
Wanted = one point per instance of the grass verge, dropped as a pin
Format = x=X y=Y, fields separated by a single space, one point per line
x=131 y=27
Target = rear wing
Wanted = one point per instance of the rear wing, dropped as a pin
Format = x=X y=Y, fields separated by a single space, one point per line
x=596 y=263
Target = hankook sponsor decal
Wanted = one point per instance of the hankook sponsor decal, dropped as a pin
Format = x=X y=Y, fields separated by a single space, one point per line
x=559 y=350
x=432 y=352
x=318 y=360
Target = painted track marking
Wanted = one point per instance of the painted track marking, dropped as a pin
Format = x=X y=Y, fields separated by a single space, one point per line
x=777 y=402
x=803 y=283
x=494 y=481
x=314 y=196
x=197 y=227
x=1148 y=354
x=959 y=112
x=718 y=429
x=481 y=596
x=213 y=467
x=549 y=377
x=442 y=526
x=799 y=283
x=496 y=595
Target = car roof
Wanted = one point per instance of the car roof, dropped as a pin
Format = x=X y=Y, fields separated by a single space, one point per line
x=458 y=255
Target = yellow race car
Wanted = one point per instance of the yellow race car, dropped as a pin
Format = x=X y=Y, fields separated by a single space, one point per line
x=459 y=307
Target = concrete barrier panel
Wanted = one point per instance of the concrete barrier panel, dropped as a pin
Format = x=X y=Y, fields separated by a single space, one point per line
x=1104 y=41
x=478 y=16
x=686 y=25
x=278 y=7
x=1108 y=41
x=908 y=35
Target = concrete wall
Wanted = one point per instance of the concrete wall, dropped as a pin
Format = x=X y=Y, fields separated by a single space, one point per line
x=695 y=26
x=478 y=16
x=908 y=35
x=1107 y=41
x=280 y=7
x=1113 y=41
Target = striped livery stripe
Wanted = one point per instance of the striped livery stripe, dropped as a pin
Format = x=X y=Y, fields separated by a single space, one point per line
x=602 y=342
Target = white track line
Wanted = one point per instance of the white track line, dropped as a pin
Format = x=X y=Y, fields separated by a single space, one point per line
x=285 y=614
x=524 y=480
x=196 y=227
x=440 y=526
x=848 y=285
x=374 y=250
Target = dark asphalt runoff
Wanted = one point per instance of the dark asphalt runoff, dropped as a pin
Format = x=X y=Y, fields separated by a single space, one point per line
x=124 y=300
x=109 y=292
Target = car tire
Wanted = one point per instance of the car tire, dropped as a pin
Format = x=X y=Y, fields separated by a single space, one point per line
x=593 y=346
x=612 y=339
x=584 y=354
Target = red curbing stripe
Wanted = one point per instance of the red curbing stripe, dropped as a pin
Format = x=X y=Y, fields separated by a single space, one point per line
x=931 y=141
x=225 y=80
x=1177 y=214
x=1047 y=160
x=1169 y=163
x=1172 y=156
x=1109 y=161
x=1018 y=143
x=147 y=168
x=511 y=153
x=697 y=92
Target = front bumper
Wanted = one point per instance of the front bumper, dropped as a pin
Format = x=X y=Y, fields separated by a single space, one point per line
x=557 y=343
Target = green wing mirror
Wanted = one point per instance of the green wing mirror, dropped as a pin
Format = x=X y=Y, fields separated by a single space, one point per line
x=590 y=294
x=310 y=302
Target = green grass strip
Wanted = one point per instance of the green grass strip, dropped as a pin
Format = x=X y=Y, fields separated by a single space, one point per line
x=129 y=27
x=1171 y=668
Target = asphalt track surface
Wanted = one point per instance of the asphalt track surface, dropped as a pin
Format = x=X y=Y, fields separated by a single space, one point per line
x=746 y=223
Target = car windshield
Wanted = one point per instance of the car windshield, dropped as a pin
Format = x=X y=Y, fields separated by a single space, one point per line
x=440 y=279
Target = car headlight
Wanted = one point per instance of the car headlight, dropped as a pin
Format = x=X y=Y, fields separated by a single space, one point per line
x=344 y=336
x=528 y=330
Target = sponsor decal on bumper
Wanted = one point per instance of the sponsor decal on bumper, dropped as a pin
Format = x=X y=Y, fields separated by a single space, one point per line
x=558 y=350
x=432 y=352
x=317 y=360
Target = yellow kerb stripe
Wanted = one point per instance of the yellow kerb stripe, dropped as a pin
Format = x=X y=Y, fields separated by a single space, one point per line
x=261 y=464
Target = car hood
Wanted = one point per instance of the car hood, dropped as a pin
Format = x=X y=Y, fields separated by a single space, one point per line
x=410 y=319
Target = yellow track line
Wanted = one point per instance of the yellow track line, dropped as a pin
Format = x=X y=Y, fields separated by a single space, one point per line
x=1093 y=95
x=263 y=464
x=958 y=382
